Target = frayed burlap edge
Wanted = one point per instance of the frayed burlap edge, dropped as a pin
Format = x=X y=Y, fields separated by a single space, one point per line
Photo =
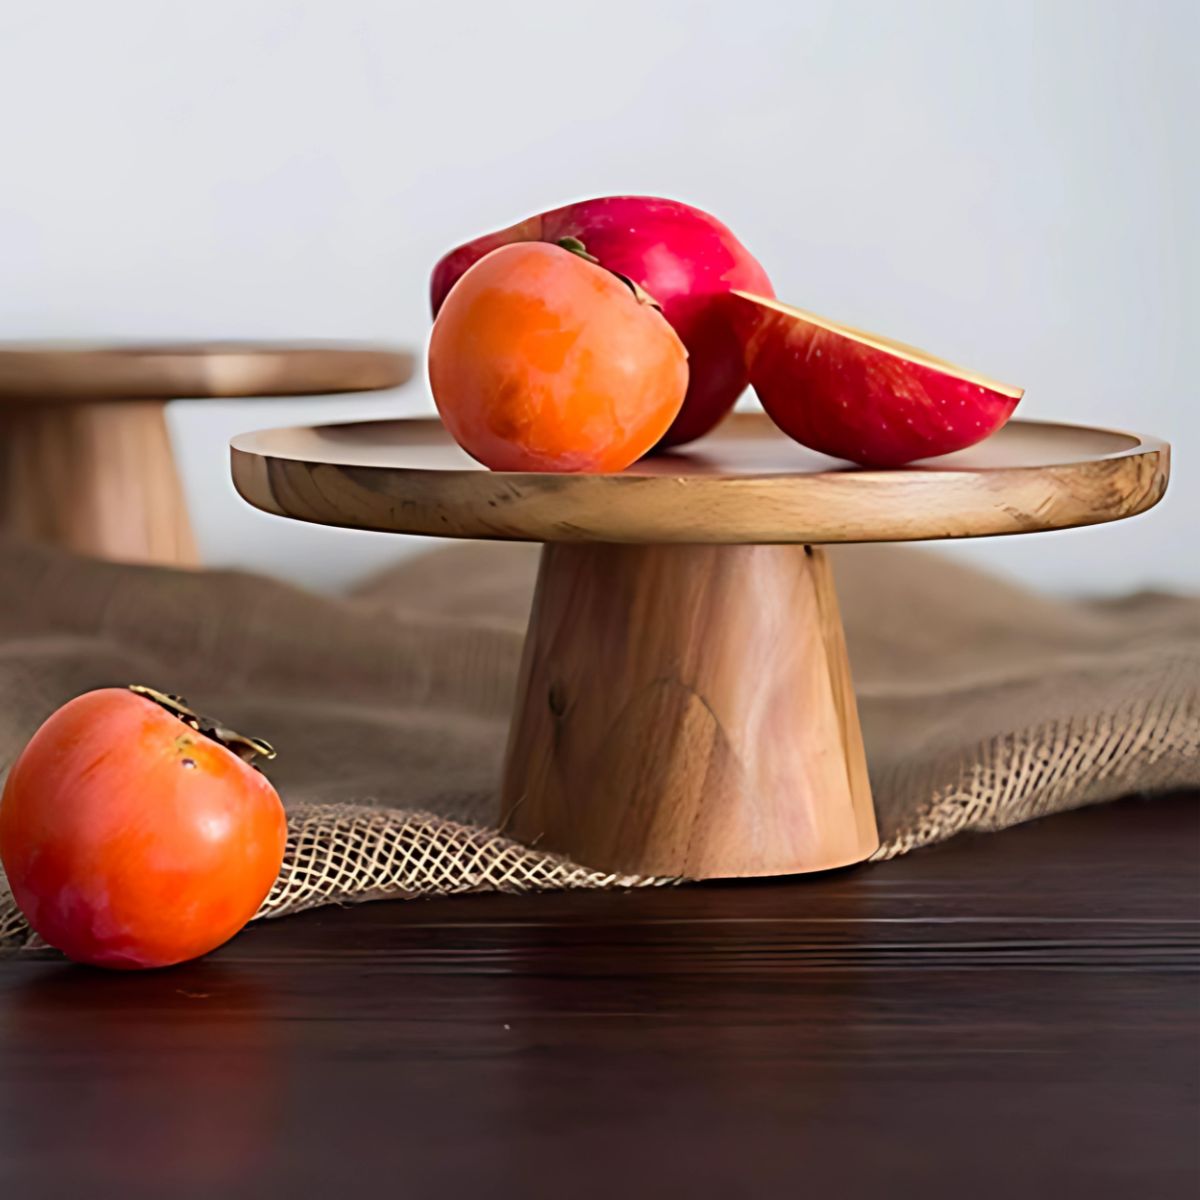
x=348 y=853
x=1148 y=744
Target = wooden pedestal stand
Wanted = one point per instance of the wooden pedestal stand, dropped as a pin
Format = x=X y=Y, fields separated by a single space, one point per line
x=85 y=460
x=685 y=705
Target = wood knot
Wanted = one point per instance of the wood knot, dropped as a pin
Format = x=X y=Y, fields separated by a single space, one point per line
x=557 y=699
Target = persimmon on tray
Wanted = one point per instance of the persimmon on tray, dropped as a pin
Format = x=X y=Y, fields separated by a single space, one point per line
x=685 y=705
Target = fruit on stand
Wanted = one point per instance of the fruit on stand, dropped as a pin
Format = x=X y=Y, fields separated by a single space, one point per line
x=135 y=833
x=683 y=257
x=541 y=360
x=849 y=394
x=862 y=397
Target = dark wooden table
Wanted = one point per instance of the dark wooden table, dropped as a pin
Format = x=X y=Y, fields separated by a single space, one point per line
x=1013 y=1015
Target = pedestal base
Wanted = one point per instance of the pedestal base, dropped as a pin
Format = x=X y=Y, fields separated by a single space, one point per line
x=98 y=478
x=687 y=711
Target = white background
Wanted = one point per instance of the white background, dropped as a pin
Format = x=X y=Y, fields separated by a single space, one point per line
x=1011 y=185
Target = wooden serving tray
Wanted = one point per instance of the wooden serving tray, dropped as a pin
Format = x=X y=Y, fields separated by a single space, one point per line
x=685 y=706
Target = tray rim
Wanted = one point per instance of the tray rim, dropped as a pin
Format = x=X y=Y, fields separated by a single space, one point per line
x=988 y=501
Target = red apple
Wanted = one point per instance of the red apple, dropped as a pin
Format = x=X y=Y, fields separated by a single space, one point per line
x=688 y=262
x=860 y=396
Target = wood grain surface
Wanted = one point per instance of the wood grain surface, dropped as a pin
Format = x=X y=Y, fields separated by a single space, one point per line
x=746 y=482
x=98 y=479
x=687 y=711
x=1010 y=1015
x=47 y=373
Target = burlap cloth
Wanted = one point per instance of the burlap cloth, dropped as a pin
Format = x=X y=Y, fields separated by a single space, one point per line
x=983 y=704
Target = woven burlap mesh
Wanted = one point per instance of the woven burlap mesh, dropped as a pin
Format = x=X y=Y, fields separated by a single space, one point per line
x=983 y=704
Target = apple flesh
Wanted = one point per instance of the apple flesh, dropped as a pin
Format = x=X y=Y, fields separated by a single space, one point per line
x=684 y=258
x=862 y=397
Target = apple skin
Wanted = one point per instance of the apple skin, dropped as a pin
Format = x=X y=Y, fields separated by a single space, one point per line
x=844 y=397
x=686 y=259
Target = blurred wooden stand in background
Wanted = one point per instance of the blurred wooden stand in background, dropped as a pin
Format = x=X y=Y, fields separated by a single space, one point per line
x=85 y=458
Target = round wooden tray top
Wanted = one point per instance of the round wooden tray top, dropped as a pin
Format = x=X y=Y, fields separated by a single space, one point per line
x=745 y=483
x=73 y=374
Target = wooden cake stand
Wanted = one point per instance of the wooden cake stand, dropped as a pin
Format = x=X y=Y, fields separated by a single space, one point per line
x=85 y=460
x=685 y=705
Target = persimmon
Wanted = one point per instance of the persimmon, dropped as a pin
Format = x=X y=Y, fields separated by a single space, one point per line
x=543 y=361
x=132 y=833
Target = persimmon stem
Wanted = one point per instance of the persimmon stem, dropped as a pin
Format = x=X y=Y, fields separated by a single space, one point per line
x=246 y=748
x=575 y=246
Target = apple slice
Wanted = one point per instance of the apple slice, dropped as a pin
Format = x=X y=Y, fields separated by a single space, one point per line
x=859 y=396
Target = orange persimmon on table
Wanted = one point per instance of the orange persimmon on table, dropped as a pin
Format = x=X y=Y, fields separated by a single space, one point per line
x=135 y=834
